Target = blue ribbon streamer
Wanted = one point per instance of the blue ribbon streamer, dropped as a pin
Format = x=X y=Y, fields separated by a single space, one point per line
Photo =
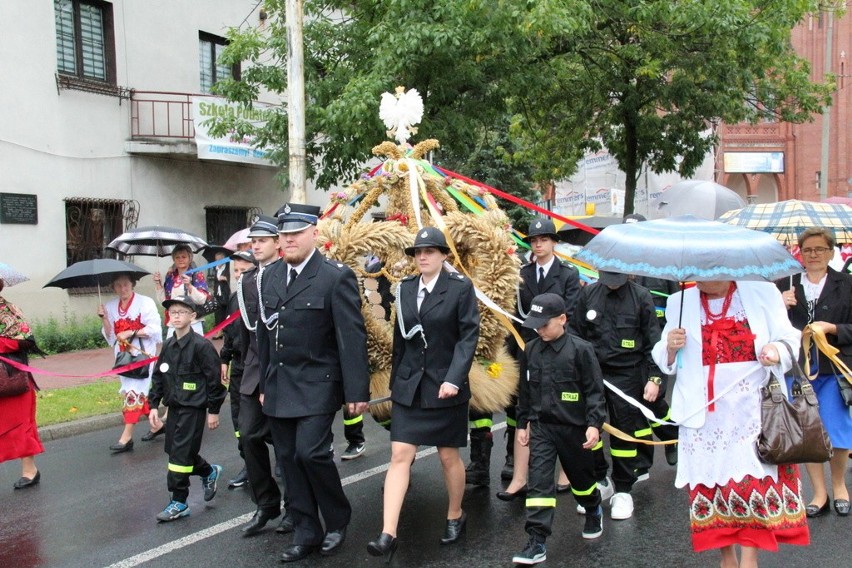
x=225 y=260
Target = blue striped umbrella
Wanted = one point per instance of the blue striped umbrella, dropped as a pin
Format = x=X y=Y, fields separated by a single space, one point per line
x=786 y=219
x=689 y=249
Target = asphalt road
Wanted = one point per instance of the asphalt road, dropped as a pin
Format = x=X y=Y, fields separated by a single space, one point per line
x=96 y=509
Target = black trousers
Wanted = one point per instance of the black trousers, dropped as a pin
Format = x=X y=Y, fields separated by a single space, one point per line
x=313 y=482
x=628 y=419
x=660 y=408
x=255 y=436
x=184 y=430
x=480 y=420
x=234 y=395
x=549 y=442
x=353 y=428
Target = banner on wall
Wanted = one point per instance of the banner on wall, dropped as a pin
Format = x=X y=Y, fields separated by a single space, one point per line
x=231 y=147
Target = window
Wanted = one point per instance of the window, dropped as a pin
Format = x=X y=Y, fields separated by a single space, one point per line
x=224 y=221
x=209 y=49
x=85 y=46
x=90 y=225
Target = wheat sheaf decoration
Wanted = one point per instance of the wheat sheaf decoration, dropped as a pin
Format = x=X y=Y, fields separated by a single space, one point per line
x=411 y=194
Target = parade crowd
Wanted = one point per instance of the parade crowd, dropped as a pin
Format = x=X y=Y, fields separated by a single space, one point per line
x=592 y=354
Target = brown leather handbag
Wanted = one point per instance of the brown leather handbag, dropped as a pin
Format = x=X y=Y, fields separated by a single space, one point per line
x=13 y=381
x=791 y=431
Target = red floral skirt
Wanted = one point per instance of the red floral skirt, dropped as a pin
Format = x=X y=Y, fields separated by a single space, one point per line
x=753 y=512
x=135 y=407
x=18 y=431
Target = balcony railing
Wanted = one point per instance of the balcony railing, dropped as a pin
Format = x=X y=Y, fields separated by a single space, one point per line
x=161 y=114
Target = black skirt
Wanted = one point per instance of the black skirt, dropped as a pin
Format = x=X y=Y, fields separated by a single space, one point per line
x=442 y=427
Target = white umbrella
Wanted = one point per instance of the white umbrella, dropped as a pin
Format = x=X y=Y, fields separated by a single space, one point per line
x=700 y=198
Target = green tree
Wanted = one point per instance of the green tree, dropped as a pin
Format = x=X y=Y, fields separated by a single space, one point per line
x=648 y=79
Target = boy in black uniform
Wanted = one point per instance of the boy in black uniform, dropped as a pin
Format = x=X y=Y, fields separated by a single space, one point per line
x=561 y=411
x=186 y=378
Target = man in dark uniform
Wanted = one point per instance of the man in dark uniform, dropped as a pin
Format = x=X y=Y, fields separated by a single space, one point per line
x=232 y=354
x=312 y=346
x=618 y=317
x=660 y=291
x=254 y=426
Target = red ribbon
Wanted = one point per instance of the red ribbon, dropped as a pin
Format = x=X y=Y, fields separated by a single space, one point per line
x=117 y=370
x=726 y=328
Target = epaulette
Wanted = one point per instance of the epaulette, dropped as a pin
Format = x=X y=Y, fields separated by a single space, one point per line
x=457 y=276
x=410 y=277
x=336 y=264
x=566 y=264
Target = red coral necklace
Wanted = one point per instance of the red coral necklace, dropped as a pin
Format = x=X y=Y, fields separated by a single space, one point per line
x=122 y=312
x=729 y=296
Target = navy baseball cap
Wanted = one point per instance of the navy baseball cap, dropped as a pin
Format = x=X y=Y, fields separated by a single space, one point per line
x=543 y=308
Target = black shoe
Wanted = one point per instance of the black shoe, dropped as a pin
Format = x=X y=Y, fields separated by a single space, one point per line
x=508 y=471
x=240 y=480
x=671 y=454
x=385 y=545
x=353 y=451
x=593 y=527
x=841 y=507
x=506 y=496
x=121 y=448
x=333 y=541
x=151 y=435
x=812 y=511
x=258 y=521
x=455 y=529
x=296 y=552
x=286 y=525
x=27 y=481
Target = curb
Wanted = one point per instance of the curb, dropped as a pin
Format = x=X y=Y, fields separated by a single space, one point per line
x=83 y=426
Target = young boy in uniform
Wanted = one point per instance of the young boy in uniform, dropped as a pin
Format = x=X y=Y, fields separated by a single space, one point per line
x=187 y=379
x=561 y=410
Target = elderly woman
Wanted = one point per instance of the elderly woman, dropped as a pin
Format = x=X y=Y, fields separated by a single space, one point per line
x=729 y=343
x=178 y=283
x=18 y=431
x=433 y=348
x=132 y=323
x=822 y=297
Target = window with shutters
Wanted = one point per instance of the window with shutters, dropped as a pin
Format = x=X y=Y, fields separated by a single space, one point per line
x=85 y=44
x=209 y=50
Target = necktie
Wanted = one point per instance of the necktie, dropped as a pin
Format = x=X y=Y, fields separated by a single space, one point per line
x=540 y=274
x=293 y=275
x=425 y=295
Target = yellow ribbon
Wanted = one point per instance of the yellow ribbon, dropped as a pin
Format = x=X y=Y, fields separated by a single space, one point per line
x=816 y=335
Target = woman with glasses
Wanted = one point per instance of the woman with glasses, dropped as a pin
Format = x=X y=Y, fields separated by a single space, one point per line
x=822 y=297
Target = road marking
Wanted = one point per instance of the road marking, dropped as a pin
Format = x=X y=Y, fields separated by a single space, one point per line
x=168 y=547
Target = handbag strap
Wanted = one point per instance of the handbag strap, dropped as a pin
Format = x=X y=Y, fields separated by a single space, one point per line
x=807 y=390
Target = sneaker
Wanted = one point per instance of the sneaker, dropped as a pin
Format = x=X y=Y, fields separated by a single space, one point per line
x=606 y=489
x=621 y=506
x=240 y=480
x=210 y=482
x=533 y=553
x=174 y=510
x=354 y=451
x=671 y=454
x=594 y=524
x=642 y=475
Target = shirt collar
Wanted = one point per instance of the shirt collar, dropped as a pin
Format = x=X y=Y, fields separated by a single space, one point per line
x=557 y=344
x=545 y=266
x=429 y=287
x=301 y=266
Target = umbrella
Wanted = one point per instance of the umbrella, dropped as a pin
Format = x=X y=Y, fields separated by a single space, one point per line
x=239 y=238
x=155 y=241
x=687 y=248
x=209 y=252
x=98 y=272
x=705 y=199
x=786 y=219
x=10 y=276
x=577 y=236
x=837 y=199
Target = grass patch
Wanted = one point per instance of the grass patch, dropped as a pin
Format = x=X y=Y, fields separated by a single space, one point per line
x=73 y=403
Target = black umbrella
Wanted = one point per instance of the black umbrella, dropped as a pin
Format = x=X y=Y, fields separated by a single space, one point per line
x=209 y=252
x=576 y=236
x=155 y=241
x=98 y=272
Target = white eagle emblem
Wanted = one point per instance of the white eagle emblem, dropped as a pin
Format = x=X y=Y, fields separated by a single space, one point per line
x=538 y=225
x=424 y=234
x=400 y=112
x=287 y=209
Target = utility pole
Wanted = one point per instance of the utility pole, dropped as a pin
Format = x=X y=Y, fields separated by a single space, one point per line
x=826 y=111
x=296 y=101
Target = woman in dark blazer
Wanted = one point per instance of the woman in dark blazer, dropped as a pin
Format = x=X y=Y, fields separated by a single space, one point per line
x=434 y=341
x=822 y=297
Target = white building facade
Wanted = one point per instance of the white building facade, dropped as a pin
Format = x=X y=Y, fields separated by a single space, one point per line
x=96 y=135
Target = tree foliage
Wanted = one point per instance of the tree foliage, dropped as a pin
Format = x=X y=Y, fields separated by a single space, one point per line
x=645 y=78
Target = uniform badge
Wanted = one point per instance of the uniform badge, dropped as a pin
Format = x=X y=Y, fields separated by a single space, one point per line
x=591 y=314
x=424 y=234
x=164 y=368
x=287 y=209
x=538 y=225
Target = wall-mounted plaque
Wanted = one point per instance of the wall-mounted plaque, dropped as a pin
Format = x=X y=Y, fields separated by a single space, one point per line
x=19 y=208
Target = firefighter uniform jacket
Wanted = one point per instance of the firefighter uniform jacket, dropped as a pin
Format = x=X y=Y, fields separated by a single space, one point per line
x=233 y=351
x=247 y=287
x=188 y=373
x=621 y=324
x=561 y=383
